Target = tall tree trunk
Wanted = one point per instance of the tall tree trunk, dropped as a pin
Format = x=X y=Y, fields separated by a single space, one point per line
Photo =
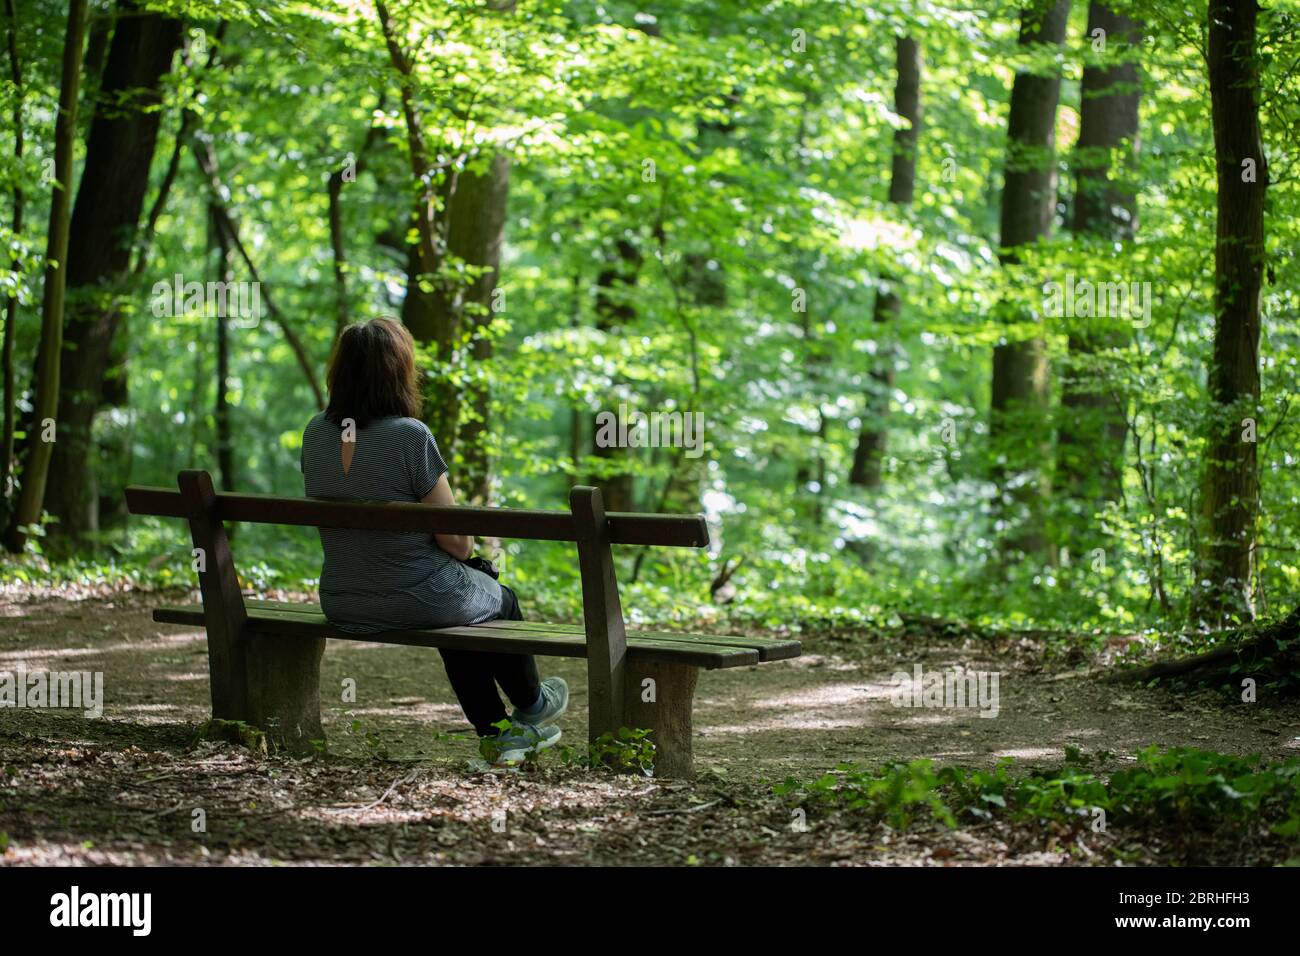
x=614 y=309
x=99 y=32
x=1090 y=449
x=1020 y=392
x=577 y=442
x=342 y=311
x=41 y=447
x=870 y=450
x=105 y=220
x=1230 y=498
x=221 y=412
x=11 y=305
x=705 y=278
x=475 y=231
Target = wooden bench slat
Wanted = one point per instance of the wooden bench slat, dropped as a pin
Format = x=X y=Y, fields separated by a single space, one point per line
x=684 y=531
x=769 y=648
x=719 y=654
x=475 y=637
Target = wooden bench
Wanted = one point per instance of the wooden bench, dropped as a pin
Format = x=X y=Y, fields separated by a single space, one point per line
x=264 y=656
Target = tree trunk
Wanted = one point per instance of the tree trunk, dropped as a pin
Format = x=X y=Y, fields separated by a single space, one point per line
x=41 y=446
x=614 y=309
x=1230 y=501
x=870 y=450
x=1262 y=652
x=342 y=311
x=99 y=32
x=475 y=231
x=11 y=306
x=1090 y=449
x=105 y=219
x=1020 y=391
x=221 y=412
x=577 y=438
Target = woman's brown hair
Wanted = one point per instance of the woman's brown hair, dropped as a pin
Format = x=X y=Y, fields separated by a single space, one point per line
x=372 y=374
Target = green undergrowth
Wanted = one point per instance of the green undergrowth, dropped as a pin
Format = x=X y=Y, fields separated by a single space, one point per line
x=783 y=593
x=1185 y=787
x=802 y=593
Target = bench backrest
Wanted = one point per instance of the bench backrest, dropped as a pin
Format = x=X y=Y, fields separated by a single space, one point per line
x=684 y=531
x=585 y=523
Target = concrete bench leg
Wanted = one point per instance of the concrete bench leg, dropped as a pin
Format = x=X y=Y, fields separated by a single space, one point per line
x=284 y=690
x=660 y=697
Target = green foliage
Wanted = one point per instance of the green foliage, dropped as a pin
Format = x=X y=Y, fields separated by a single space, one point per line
x=896 y=792
x=629 y=749
x=488 y=747
x=770 y=175
x=374 y=743
x=1181 y=786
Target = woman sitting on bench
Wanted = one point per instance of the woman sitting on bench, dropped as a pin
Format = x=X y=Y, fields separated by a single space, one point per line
x=370 y=445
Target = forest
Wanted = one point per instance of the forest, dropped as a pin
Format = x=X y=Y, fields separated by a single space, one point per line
x=970 y=330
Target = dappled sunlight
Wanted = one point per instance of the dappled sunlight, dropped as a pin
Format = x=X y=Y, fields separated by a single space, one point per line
x=186 y=677
x=923 y=718
x=163 y=642
x=130 y=709
x=820 y=662
x=821 y=695
x=786 y=723
x=904 y=382
x=428 y=712
x=1031 y=753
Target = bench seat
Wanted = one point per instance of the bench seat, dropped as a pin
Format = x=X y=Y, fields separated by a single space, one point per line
x=705 y=651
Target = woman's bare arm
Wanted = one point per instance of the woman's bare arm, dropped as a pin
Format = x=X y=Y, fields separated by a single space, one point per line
x=459 y=546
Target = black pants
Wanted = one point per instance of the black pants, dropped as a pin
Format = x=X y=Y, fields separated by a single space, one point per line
x=474 y=676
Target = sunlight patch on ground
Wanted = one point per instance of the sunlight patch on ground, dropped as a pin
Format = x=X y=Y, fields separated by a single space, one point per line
x=790 y=722
x=426 y=711
x=145 y=708
x=819 y=662
x=369 y=816
x=824 y=695
x=927 y=718
x=1032 y=753
x=161 y=643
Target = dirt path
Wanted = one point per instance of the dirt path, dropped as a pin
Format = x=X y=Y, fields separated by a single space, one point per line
x=397 y=786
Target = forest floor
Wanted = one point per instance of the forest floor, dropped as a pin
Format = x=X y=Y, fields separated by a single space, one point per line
x=398 y=785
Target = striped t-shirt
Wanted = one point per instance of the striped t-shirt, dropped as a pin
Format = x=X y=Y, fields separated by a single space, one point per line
x=381 y=580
